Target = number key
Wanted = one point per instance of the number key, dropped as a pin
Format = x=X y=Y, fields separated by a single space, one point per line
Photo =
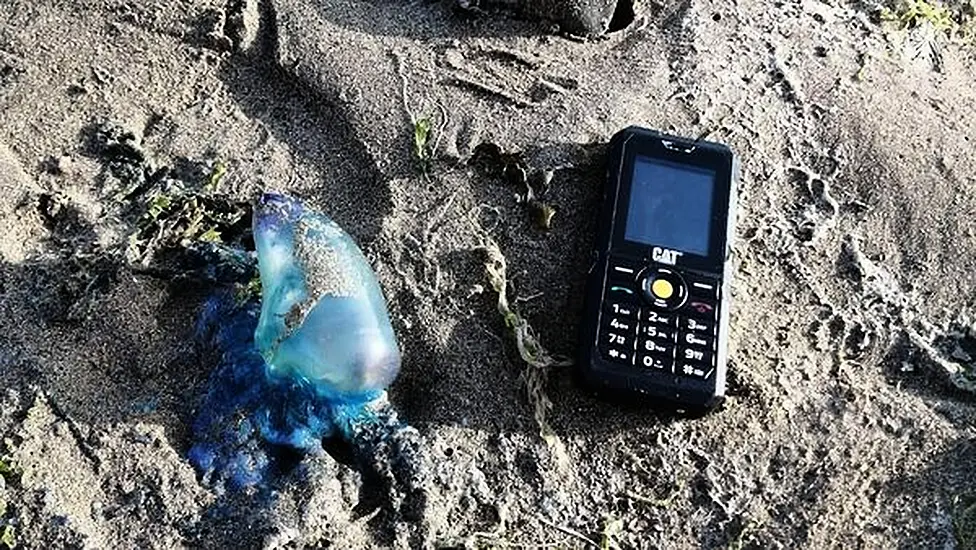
x=693 y=339
x=694 y=370
x=660 y=333
x=696 y=355
x=621 y=324
x=617 y=346
x=655 y=362
x=701 y=326
x=617 y=355
x=658 y=317
x=651 y=346
x=622 y=310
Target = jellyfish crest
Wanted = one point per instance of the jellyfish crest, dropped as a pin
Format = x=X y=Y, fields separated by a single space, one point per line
x=323 y=317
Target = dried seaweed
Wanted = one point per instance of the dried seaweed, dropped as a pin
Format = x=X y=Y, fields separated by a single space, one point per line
x=8 y=538
x=539 y=360
x=530 y=185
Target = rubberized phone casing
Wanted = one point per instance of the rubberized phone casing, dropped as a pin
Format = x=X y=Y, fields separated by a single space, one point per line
x=656 y=319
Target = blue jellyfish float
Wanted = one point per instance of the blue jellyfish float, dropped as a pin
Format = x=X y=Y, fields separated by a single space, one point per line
x=311 y=361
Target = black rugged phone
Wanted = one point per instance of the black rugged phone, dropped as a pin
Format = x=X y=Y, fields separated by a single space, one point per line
x=655 y=322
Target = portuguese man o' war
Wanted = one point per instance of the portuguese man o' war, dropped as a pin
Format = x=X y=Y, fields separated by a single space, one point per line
x=323 y=316
x=311 y=361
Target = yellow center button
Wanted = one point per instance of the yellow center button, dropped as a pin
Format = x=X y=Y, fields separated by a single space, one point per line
x=662 y=289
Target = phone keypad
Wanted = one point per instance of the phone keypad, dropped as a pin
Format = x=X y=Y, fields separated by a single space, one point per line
x=648 y=336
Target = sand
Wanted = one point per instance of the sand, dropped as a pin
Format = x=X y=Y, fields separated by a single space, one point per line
x=848 y=422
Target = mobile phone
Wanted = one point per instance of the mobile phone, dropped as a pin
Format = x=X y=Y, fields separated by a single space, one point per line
x=656 y=310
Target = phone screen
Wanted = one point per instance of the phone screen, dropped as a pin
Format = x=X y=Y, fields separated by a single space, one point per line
x=670 y=205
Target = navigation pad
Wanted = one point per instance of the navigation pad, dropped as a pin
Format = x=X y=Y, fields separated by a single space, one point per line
x=657 y=320
x=663 y=288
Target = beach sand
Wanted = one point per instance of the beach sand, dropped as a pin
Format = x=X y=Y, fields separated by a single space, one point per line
x=848 y=423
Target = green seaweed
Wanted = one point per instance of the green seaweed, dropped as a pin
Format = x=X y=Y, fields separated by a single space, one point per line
x=210 y=236
x=8 y=470
x=181 y=225
x=158 y=204
x=244 y=293
x=178 y=217
x=422 y=132
x=910 y=14
x=612 y=528
x=9 y=537
x=216 y=176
